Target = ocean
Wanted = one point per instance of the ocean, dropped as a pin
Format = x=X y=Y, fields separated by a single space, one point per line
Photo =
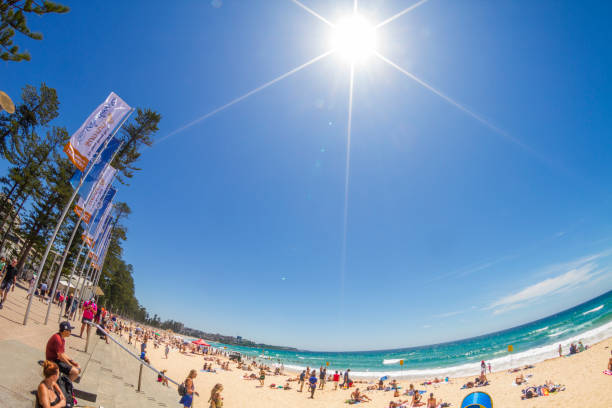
x=589 y=322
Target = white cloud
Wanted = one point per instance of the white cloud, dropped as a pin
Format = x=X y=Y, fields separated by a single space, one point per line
x=449 y=314
x=570 y=279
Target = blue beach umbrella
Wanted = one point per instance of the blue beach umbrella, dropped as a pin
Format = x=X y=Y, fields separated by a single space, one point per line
x=477 y=400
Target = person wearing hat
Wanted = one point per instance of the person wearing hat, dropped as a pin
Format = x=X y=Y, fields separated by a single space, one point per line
x=56 y=352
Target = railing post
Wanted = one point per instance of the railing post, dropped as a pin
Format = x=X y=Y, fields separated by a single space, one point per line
x=139 y=378
x=87 y=342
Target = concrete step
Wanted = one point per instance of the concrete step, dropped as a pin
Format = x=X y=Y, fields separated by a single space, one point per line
x=20 y=373
x=116 y=380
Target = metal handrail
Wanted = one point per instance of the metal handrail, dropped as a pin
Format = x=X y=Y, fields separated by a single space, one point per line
x=142 y=362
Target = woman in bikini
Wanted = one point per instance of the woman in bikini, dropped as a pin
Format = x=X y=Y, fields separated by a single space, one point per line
x=187 y=399
x=216 y=400
x=49 y=393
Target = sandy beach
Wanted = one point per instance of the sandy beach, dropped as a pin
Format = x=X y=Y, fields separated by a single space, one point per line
x=581 y=374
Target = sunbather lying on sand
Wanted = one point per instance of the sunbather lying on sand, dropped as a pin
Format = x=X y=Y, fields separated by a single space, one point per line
x=398 y=404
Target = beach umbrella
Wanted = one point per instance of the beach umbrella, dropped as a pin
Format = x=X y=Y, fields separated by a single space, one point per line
x=201 y=342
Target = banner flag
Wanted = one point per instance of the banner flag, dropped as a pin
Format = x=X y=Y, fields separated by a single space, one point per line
x=101 y=229
x=98 y=165
x=95 y=198
x=98 y=127
x=95 y=254
x=100 y=218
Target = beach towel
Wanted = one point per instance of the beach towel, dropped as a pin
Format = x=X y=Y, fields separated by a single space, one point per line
x=607 y=372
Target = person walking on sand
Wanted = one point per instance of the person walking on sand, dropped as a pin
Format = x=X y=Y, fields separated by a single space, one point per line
x=167 y=350
x=216 y=400
x=262 y=377
x=322 y=374
x=187 y=399
x=336 y=380
x=313 y=383
x=346 y=379
x=560 y=350
x=302 y=380
x=489 y=367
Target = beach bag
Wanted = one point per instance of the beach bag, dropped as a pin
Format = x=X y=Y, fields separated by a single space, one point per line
x=182 y=390
x=66 y=386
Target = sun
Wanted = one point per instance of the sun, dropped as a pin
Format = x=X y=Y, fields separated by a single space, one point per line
x=354 y=38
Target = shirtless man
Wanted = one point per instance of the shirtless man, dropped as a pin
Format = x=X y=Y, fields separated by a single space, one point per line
x=610 y=362
x=431 y=402
x=358 y=396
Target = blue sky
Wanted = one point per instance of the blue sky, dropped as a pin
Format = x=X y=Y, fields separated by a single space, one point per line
x=454 y=228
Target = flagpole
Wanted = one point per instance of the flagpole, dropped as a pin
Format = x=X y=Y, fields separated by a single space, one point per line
x=61 y=220
x=85 y=274
x=59 y=271
x=76 y=227
x=76 y=261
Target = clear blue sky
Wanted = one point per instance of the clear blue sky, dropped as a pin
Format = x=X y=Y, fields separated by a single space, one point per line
x=453 y=229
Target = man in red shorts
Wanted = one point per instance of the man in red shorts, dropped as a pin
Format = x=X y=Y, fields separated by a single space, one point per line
x=56 y=352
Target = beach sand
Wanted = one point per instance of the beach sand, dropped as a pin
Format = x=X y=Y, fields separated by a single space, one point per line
x=586 y=385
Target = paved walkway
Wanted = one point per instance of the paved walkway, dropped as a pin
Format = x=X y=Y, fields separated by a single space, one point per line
x=108 y=371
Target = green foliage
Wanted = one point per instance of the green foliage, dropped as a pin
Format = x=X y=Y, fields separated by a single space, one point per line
x=39 y=174
x=135 y=134
x=13 y=19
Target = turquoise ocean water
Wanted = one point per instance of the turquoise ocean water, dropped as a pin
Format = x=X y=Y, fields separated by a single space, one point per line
x=589 y=322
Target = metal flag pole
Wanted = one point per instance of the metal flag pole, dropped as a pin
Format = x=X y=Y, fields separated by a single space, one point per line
x=97 y=279
x=58 y=275
x=61 y=219
x=76 y=227
x=74 y=266
x=85 y=273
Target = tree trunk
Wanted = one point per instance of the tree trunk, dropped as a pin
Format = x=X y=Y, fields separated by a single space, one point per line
x=5 y=200
x=12 y=224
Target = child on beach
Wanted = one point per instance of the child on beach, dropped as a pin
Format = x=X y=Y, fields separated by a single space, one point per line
x=262 y=377
x=336 y=380
x=161 y=377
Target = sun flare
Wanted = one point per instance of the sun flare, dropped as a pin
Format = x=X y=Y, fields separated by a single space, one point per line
x=354 y=38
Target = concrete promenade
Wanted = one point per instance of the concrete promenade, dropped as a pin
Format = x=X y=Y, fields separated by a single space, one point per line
x=108 y=372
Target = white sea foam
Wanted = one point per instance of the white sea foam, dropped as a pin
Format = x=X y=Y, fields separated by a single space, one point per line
x=531 y=356
x=391 y=361
x=540 y=330
x=593 y=310
x=555 y=334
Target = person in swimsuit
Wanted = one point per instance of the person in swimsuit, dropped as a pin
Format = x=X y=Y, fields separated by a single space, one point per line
x=431 y=402
x=216 y=400
x=359 y=397
x=262 y=377
x=49 y=393
x=416 y=398
x=187 y=399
